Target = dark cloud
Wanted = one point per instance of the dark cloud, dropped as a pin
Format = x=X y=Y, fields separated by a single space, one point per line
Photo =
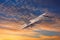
x=47 y=33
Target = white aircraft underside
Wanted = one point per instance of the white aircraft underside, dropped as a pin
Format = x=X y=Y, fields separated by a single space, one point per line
x=33 y=21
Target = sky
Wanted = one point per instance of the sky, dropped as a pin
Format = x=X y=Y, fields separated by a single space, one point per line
x=15 y=13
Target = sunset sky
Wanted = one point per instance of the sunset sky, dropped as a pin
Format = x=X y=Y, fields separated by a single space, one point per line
x=14 y=13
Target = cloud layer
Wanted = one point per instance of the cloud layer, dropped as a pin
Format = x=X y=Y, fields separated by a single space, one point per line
x=14 y=13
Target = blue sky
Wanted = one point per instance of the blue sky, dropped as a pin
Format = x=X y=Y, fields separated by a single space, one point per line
x=51 y=5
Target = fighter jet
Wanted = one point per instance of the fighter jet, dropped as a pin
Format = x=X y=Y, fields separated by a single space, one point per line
x=32 y=21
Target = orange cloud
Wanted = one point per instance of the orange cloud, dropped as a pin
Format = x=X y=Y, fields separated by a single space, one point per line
x=17 y=37
x=12 y=31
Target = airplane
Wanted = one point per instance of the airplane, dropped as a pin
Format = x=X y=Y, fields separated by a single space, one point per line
x=32 y=21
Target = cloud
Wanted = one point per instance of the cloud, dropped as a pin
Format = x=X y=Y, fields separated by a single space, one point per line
x=11 y=18
x=47 y=33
